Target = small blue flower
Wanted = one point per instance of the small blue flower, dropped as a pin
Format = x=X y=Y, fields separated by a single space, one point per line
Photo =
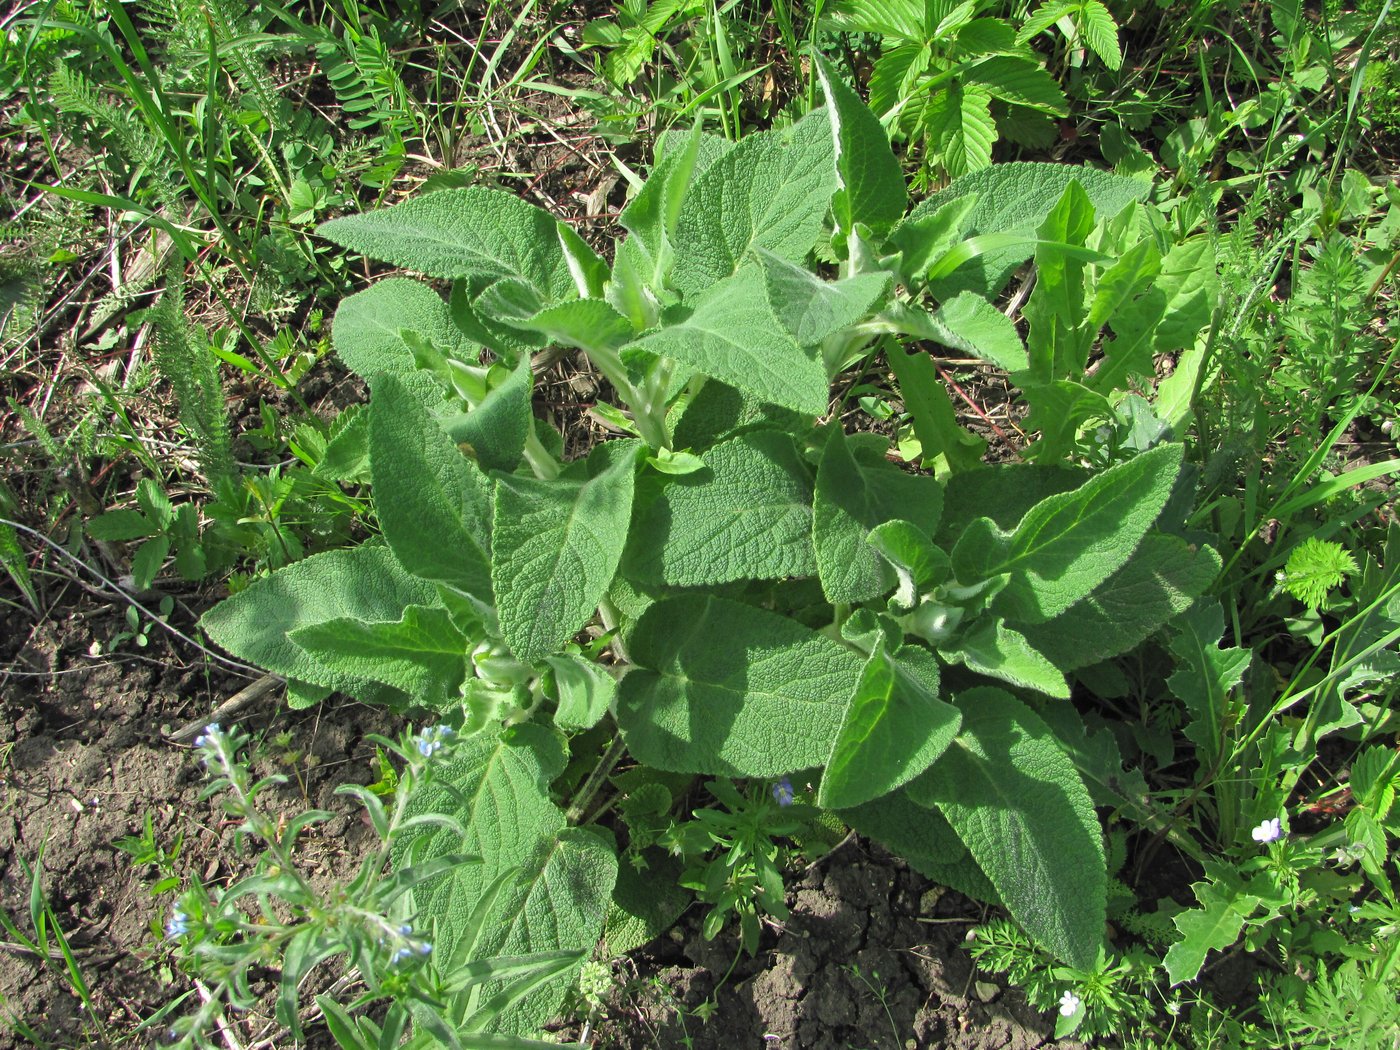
x=432 y=739
x=179 y=923
x=399 y=956
x=424 y=948
x=405 y=929
x=210 y=734
x=1268 y=831
x=782 y=792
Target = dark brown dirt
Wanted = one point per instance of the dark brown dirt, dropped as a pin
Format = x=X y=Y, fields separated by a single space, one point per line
x=82 y=762
x=871 y=959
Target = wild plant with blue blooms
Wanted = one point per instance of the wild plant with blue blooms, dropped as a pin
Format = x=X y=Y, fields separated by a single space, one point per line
x=277 y=917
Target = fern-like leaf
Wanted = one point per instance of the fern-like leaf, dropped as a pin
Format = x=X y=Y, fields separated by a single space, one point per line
x=1314 y=568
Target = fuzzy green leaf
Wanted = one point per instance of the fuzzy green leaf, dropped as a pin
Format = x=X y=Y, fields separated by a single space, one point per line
x=1008 y=789
x=556 y=546
x=368 y=327
x=495 y=431
x=434 y=505
x=994 y=649
x=423 y=654
x=360 y=583
x=812 y=309
x=731 y=334
x=586 y=691
x=894 y=728
x=747 y=515
x=1068 y=544
x=496 y=787
x=923 y=837
x=1162 y=578
x=968 y=323
x=478 y=235
x=872 y=188
x=728 y=689
x=857 y=490
x=770 y=191
x=1015 y=198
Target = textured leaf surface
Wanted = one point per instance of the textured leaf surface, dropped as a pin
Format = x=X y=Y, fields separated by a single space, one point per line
x=1008 y=789
x=1068 y=544
x=585 y=323
x=894 y=728
x=747 y=515
x=361 y=583
x=923 y=837
x=994 y=649
x=481 y=235
x=960 y=127
x=732 y=335
x=1004 y=492
x=1162 y=578
x=586 y=691
x=729 y=689
x=494 y=432
x=857 y=490
x=497 y=788
x=1100 y=32
x=434 y=505
x=968 y=323
x=872 y=184
x=1022 y=82
x=1015 y=198
x=556 y=546
x=812 y=309
x=367 y=329
x=423 y=654
x=770 y=191
x=720 y=411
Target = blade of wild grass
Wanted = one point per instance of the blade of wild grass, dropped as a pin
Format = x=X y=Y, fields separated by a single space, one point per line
x=179 y=234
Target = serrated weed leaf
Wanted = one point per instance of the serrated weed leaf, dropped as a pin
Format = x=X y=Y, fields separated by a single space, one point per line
x=1066 y=545
x=725 y=688
x=434 y=504
x=556 y=547
x=746 y=516
x=895 y=727
x=1012 y=795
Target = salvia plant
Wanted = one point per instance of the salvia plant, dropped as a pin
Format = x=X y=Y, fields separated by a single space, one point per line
x=734 y=587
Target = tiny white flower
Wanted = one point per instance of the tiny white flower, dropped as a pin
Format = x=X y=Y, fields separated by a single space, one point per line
x=1268 y=830
x=1069 y=1003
